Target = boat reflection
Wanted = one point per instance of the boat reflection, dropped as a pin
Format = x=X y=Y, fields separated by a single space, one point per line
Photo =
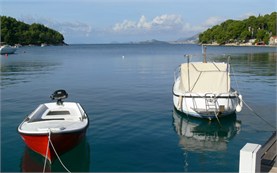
x=200 y=135
x=76 y=160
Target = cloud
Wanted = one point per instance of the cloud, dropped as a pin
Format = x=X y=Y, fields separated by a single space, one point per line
x=162 y=23
x=128 y=25
x=125 y=25
x=142 y=23
x=211 y=21
x=166 y=23
x=74 y=27
x=246 y=15
x=66 y=27
x=164 y=27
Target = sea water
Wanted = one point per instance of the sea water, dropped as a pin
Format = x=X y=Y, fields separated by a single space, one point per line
x=126 y=89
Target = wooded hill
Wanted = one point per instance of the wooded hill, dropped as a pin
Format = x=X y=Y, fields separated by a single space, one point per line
x=260 y=28
x=16 y=32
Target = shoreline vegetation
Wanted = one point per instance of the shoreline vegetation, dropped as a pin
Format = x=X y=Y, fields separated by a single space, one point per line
x=239 y=45
x=259 y=30
x=14 y=32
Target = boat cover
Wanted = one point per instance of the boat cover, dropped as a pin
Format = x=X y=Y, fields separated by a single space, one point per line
x=204 y=77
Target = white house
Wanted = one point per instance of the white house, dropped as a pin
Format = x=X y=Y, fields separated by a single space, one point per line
x=273 y=40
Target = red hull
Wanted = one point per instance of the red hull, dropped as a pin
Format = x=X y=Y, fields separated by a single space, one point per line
x=76 y=160
x=62 y=143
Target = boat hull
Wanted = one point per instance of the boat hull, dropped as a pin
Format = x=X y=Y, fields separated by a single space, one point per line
x=7 y=50
x=206 y=107
x=76 y=160
x=62 y=143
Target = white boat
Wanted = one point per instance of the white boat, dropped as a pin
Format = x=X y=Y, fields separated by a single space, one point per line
x=43 y=45
x=61 y=124
x=7 y=49
x=203 y=89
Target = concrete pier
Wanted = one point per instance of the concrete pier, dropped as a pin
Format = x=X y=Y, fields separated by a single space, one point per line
x=256 y=158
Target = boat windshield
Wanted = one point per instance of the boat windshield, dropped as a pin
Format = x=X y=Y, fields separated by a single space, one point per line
x=58 y=113
x=37 y=113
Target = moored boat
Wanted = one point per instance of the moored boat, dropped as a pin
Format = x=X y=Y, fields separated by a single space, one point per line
x=7 y=49
x=203 y=89
x=43 y=45
x=54 y=128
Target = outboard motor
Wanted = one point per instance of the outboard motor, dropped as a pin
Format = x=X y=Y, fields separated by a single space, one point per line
x=59 y=95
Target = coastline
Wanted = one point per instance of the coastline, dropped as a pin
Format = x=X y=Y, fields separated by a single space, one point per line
x=239 y=45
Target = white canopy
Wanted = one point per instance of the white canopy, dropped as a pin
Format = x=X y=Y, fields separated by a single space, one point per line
x=204 y=77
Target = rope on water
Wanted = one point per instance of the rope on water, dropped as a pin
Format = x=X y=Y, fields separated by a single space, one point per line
x=58 y=157
x=50 y=142
x=249 y=106
x=46 y=155
x=258 y=115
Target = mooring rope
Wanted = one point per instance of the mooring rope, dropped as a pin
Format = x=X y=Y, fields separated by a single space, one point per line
x=258 y=115
x=45 y=162
x=217 y=118
x=58 y=157
x=249 y=106
x=46 y=155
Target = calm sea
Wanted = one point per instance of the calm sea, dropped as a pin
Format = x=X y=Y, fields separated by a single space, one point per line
x=127 y=92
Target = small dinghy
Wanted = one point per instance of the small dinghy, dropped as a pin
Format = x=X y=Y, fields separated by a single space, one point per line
x=7 y=49
x=54 y=128
x=203 y=89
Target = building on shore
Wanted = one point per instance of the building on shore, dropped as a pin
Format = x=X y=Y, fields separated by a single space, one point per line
x=273 y=40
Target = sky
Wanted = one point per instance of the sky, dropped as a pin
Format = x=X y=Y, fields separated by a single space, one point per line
x=122 y=21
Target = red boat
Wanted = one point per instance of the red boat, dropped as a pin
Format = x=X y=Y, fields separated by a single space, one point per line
x=54 y=128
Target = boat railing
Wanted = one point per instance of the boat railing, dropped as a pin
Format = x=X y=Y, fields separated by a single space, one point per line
x=83 y=113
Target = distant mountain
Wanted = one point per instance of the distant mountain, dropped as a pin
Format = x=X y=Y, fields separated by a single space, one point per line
x=153 y=41
x=190 y=40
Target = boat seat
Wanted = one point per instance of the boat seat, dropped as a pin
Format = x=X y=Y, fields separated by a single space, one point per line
x=50 y=119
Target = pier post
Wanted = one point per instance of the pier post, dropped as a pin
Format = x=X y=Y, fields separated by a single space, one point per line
x=250 y=158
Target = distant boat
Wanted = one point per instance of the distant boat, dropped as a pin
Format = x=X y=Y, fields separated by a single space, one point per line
x=7 y=49
x=43 y=45
x=54 y=128
x=203 y=89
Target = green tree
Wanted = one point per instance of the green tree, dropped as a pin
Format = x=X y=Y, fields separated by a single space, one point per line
x=245 y=36
x=13 y=32
x=260 y=28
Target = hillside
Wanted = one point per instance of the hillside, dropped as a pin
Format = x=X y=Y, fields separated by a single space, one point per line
x=16 y=32
x=153 y=41
x=260 y=28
